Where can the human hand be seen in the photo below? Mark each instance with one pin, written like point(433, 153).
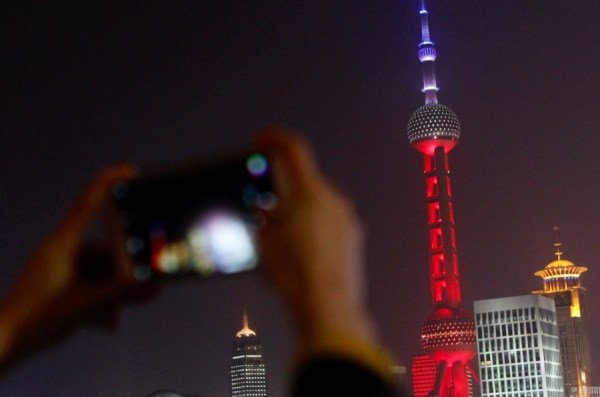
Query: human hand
point(312, 244)
point(68, 279)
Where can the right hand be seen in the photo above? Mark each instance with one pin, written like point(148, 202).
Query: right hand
point(312, 243)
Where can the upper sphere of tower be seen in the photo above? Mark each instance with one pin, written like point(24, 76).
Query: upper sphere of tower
point(433, 125)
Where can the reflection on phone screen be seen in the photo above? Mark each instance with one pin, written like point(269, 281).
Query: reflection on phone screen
point(197, 221)
point(218, 241)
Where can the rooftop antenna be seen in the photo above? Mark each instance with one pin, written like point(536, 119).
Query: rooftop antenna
point(427, 56)
point(557, 243)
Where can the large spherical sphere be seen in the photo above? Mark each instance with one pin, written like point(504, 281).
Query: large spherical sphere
point(433, 125)
point(449, 335)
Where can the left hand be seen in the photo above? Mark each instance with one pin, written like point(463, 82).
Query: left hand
point(68, 278)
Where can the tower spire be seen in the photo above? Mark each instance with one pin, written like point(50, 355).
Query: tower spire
point(245, 331)
point(427, 57)
point(557, 243)
point(424, 24)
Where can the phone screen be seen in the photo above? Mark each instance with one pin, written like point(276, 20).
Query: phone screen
point(197, 220)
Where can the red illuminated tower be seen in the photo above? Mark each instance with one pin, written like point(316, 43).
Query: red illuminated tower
point(448, 335)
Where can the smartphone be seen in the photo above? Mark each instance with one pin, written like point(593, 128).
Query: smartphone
point(197, 219)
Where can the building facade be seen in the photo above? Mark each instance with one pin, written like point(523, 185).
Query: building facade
point(562, 283)
point(518, 347)
point(247, 371)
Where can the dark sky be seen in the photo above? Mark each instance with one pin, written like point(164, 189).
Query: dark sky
point(85, 85)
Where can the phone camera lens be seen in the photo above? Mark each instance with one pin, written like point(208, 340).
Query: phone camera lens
point(134, 244)
point(142, 273)
point(266, 201)
point(257, 164)
point(127, 218)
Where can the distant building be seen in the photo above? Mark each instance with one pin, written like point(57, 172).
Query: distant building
point(247, 371)
point(518, 347)
point(562, 283)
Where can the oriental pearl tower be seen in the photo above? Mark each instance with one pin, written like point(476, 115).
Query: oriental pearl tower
point(448, 335)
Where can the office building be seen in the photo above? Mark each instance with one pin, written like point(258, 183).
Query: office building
point(518, 347)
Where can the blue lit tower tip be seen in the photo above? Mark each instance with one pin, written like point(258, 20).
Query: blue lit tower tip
point(432, 125)
point(427, 57)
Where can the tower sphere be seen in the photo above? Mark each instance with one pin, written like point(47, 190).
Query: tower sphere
point(433, 125)
point(449, 330)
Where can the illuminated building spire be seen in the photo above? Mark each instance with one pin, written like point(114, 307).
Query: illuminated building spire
point(245, 331)
point(434, 130)
point(557, 243)
point(427, 57)
point(561, 275)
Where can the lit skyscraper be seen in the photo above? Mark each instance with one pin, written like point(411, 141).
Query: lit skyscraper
point(247, 371)
point(562, 283)
point(518, 347)
point(448, 335)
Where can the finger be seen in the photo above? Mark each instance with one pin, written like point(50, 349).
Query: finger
point(95, 263)
point(294, 155)
point(116, 238)
point(74, 224)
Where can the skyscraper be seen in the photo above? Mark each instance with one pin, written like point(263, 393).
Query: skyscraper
point(448, 335)
point(562, 283)
point(247, 372)
point(518, 347)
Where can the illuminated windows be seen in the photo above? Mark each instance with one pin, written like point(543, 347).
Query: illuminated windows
point(431, 186)
point(517, 341)
point(435, 215)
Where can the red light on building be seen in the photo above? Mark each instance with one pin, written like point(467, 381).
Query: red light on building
point(423, 375)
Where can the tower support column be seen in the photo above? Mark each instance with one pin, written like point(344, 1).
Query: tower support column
point(459, 376)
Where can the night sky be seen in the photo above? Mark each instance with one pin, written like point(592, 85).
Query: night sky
point(92, 83)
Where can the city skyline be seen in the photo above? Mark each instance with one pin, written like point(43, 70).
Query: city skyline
point(91, 84)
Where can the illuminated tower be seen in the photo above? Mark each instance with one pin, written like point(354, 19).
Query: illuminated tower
point(247, 371)
point(448, 335)
point(562, 283)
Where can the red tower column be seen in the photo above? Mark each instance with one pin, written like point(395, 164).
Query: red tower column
point(443, 263)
